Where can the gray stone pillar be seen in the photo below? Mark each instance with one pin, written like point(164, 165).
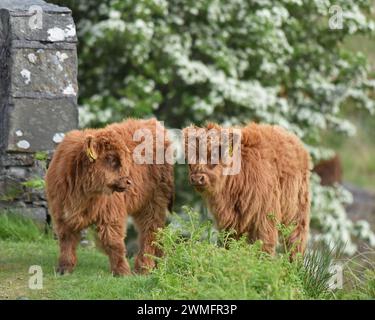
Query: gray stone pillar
point(38, 96)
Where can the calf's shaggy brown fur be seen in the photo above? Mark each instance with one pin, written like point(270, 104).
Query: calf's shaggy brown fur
point(329, 171)
point(93, 179)
point(272, 187)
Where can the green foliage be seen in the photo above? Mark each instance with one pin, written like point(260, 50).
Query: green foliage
point(199, 263)
point(363, 289)
point(317, 269)
point(18, 228)
point(41, 156)
point(369, 284)
point(11, 193)
point(359, 275)
point(16, 189)
point(35, 183)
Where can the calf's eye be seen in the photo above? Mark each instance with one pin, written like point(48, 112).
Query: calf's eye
point(113, 162)
point(211, 165)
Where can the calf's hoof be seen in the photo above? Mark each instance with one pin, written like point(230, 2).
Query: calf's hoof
point(121, 271)
point(145, 266)
point(64, 269)
point(142, 270)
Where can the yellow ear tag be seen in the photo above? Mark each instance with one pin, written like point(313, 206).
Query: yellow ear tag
point(92, 156)
point(231, 150)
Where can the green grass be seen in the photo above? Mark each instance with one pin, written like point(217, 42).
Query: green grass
point(199, 263)
point(14, 227)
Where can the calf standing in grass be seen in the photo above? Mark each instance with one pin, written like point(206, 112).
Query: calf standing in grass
point(271, 187)
point(93, 179)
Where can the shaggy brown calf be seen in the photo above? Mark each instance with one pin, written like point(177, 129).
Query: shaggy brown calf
point(272, 186)
point(93, 179)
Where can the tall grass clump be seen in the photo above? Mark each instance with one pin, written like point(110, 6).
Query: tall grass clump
point(318, 269)
point(15, 227)
point(363, 288)
point(359, 275)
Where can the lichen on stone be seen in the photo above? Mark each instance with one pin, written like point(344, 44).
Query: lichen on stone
point(23, 144)
point(58, 34)
point(58, 137)
point(61, 56)
point(69, 90)
point(32, 57)
point(26, 75)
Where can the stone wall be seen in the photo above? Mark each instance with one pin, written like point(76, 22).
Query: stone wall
point(38, 97)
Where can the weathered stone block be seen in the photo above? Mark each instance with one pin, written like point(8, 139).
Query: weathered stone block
point(34, 20)
point(18, 172)
point(24, 5)
point(37, 213)
point(36, 125)
point(16, 159)
point(38, 97)
point(54, 28)
point(38, 65)
point(46, 72)
point(10, 190)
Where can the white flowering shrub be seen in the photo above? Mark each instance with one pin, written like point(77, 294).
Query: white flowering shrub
point(230, 61)
point(329, 216)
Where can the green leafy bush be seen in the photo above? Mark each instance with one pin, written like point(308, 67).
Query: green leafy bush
point(201, 263)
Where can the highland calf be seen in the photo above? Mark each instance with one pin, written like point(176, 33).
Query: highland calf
point(271, 188)
point(93, 180)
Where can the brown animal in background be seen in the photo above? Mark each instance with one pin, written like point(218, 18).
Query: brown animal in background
point(93, 179)
point(329, 171)
point(272, 187)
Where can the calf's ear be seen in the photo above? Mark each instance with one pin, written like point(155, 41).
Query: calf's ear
point(212, 125)
point(90, 148)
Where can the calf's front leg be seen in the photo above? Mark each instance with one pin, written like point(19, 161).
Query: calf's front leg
point(112, 238)
point(68, 241)
point(147, 225)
